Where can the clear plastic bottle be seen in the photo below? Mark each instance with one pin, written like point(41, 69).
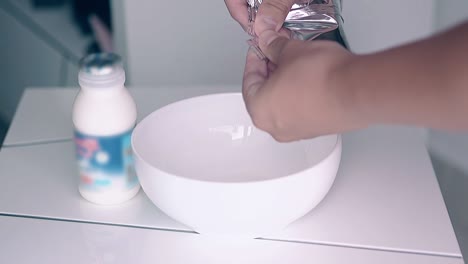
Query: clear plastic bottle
point(104, 115)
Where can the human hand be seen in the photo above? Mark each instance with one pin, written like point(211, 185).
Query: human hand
point(270, 12)
point(297, 93)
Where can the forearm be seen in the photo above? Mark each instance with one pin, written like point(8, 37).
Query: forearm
point(423, 83)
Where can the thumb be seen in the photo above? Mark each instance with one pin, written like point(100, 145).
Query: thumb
point(272, 44)
point(271, 14)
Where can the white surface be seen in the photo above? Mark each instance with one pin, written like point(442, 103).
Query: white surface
point(203, 163)
point(26, 60)
point(32, 241)
point(376, 25)
point(385, 192)
point(42, 115)
point(180, 42)
point(50, 189)
point(385, 195)
point(46, 114)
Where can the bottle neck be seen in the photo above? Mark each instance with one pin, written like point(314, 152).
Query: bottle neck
point(103, 91)
point(111, 81)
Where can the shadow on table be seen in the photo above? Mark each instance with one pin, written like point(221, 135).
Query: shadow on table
point(454, 186)
point(3, 131)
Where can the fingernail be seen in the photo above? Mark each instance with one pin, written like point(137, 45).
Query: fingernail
point(268, 36)
point(270, 23)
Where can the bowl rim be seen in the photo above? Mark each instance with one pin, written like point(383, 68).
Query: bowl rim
point(337, 144)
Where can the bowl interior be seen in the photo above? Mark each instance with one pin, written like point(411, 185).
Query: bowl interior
point(212, 138)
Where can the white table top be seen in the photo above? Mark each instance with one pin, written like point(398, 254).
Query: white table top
point(46, 241)
point(385, 196)
point(44, 114)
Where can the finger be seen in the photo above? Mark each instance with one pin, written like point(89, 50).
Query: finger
point(238, 11)
point(272, 44)
point(285, 33)
point(271, 67)
point(255, 75)
point(271, 14)
point(254, 92)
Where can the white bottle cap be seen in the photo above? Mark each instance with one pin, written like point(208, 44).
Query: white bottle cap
point(101, 70)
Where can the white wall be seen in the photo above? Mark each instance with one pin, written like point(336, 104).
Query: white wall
point(373, 25)
point(180, 42)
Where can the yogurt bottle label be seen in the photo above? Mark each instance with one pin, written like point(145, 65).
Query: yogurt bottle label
point(105, 162)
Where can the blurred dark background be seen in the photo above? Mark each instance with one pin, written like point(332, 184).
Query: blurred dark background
point(42, 43)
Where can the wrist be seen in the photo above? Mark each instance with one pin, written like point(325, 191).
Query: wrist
point(350, 91)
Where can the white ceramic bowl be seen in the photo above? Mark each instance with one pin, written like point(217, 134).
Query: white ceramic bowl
point(203, 163)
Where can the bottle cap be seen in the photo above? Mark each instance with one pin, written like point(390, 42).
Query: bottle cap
point(101, 70)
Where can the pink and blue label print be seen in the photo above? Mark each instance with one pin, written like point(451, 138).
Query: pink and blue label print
point(105, 162)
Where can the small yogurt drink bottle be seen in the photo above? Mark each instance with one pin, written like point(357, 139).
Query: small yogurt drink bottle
point(104, 115)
